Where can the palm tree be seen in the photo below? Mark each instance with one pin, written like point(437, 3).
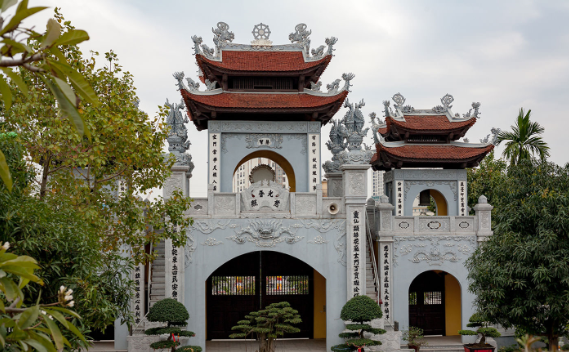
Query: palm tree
point(524, 140)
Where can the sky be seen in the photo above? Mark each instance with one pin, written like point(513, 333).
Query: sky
point(504, 54)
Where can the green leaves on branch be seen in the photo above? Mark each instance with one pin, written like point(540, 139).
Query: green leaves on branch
point(5, 172)
point(35, 326)
point(31, 48)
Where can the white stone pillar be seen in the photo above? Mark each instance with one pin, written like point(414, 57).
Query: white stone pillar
point(176, 181)
point(355, 194)
point(214, 161)
point(335, 185)
point(483, 219)
point(385, 257)
point(174, 266)
point(138, 301)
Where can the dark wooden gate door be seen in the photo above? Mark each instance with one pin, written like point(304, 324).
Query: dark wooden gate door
point(427, 303)
point(255, 280)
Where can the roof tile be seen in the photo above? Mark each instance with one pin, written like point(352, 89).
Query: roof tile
point(264, 61)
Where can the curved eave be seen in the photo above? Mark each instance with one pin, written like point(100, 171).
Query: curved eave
point(257, 67)
point(421, 155)
point(395, 130)
point(222, 105)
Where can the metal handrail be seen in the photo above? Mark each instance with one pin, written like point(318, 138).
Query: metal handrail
point(371, 253)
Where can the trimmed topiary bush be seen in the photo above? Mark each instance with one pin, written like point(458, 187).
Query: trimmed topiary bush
point(174, 314)
point(359, 310)
point(268, 324)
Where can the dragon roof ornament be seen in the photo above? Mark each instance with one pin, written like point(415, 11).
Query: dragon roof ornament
point(334, 87)
point(495, 132)
point(193, 86)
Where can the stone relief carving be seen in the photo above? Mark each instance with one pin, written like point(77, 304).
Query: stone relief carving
point(430, 224)
point(452, 184)
point(224, 204)
point(262, 126)
point(340, 246)
point(422, 175)
point(272, 140)
point(225, 137)
point(305, 205)
point(205, 227)
point(211, 242)
point(432, 255)
point(266, 233)
point(356, 184)
point(173, 183)
point(318, 240)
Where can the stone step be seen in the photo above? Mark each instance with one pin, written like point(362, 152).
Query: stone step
point(159, 262)
point(158, 279)
point(158, 268)
point(158, 286)
point(156, 292)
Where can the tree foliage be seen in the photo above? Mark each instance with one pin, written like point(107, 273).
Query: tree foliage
point(75, 204)
point(40, 54)
point(521, 275)
point(484, 179)
point(35, 326)
point(359, 310)
point(268, 324)
point(524, 140)
point(175, 314)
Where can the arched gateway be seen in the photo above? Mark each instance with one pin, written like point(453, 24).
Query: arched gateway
point(266, 243)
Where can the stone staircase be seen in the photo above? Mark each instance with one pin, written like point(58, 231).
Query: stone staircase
point(158, 279)
point(370, 286)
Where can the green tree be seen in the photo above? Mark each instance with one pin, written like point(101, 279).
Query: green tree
point(524, 140)
point(268, 324)
point(520, 276)
point(75, 204)
point(359, 310)
point(39, 55)
point(484, 179)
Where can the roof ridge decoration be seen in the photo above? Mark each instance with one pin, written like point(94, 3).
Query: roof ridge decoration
point(193, 86)
point(494, 140)
point(333, 88)
point(178, 142)
point(400, 110)
point(300, 41)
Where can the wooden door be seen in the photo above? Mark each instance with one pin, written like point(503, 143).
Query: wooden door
point(427, 303)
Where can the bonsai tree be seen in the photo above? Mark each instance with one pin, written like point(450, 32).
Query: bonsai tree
point(358, 311)
point(269, 323)
point(478, 321)
point(413, 337)
point(175, 315)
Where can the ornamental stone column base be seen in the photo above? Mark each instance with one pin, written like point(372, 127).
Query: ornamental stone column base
point(483, 219)
point(178, 180)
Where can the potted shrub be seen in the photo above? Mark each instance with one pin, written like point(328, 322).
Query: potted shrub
point(268, 324)
point(359, 310)
point(477, 320)
point(414, 337)
point(468, 336)
point(175, 315)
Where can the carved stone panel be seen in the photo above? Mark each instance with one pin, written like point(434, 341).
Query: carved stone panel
point(434, 224)
point(305, 204)
point(175, 181)
point(224, 204)
point(356, 184)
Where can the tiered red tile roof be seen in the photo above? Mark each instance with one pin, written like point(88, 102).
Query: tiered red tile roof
point(420, 123)
point(422, 152)
point(264, 100)
point(262, 61)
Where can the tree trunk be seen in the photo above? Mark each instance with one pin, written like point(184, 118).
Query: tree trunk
point(45, 174)
point(553, 342)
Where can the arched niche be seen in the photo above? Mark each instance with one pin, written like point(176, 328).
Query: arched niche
point(277, 158)
point(443, 195)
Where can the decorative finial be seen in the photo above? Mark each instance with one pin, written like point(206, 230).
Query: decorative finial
point(447, 100)
point(261, 31)
point(222, 36)
point(399, 100)
point(301, 36)
point(475, 106)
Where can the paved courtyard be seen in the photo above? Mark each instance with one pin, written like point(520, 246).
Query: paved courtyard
point(289, 345)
